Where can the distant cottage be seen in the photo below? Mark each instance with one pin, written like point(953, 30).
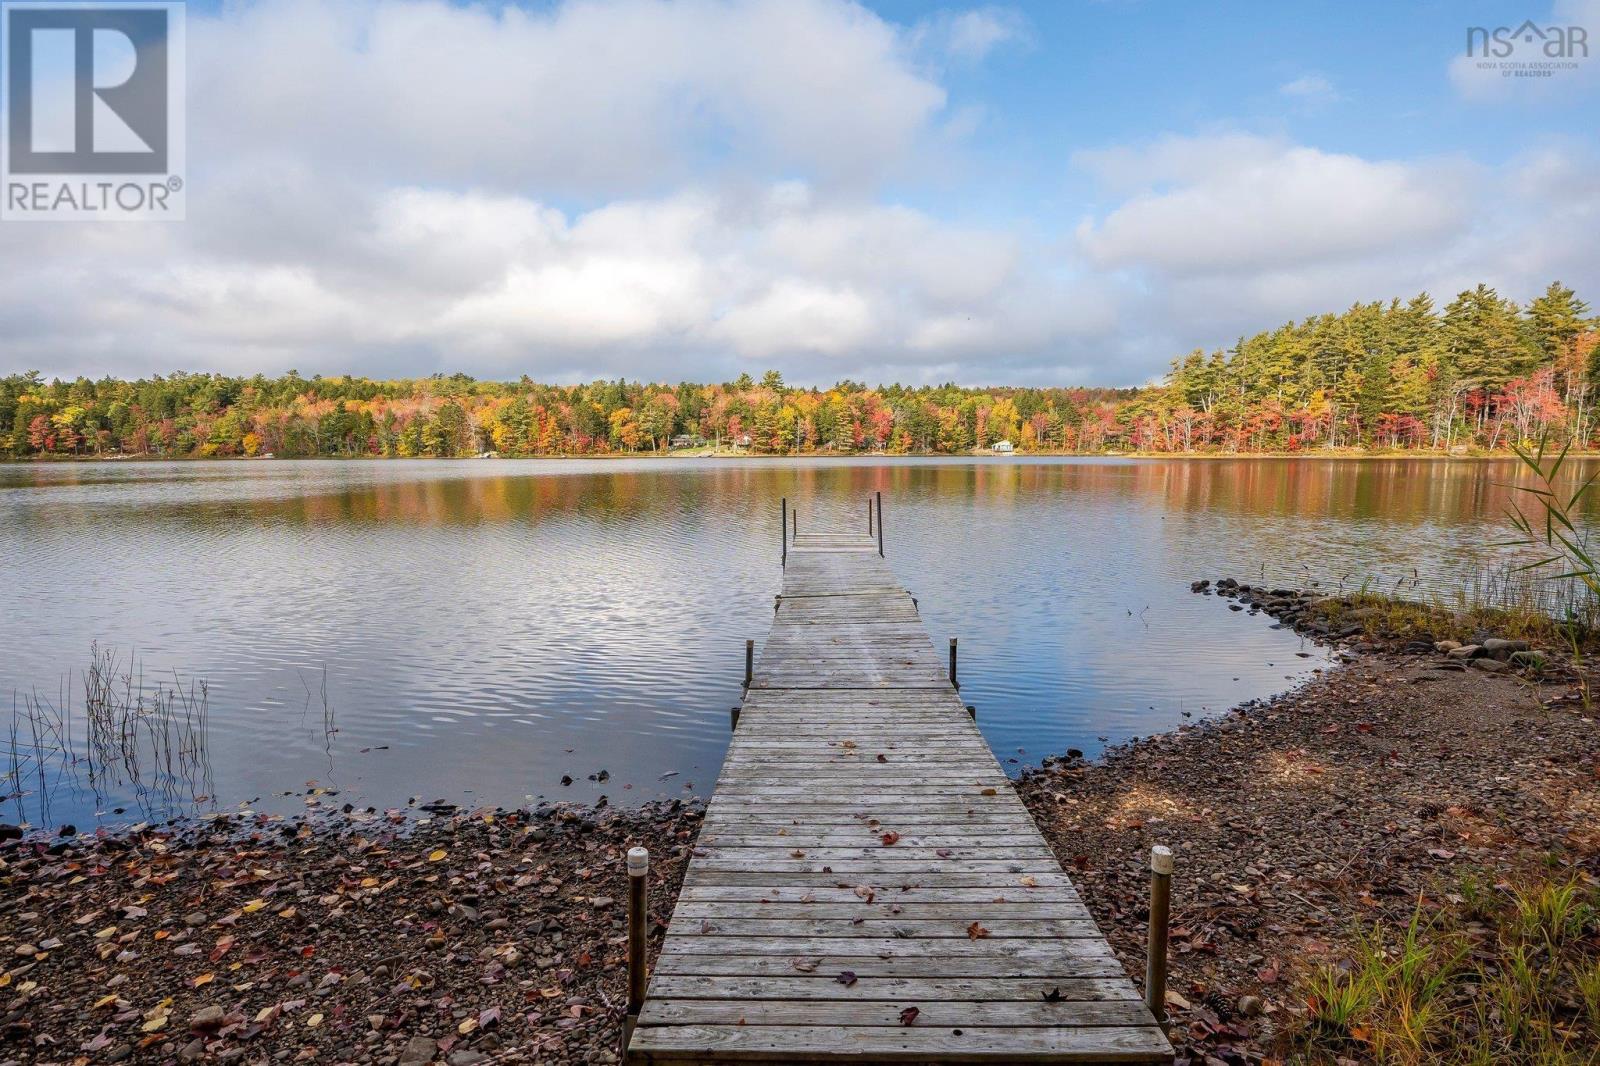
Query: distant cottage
point(1003, 447)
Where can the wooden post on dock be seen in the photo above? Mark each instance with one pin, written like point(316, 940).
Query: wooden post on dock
point(733, 719)
point(749, 662)
point(869, 516)
point(783, 531)
point(953, 682)
point(1155, 971)
point(638, 905)
point(880, 525)
point(795, 517)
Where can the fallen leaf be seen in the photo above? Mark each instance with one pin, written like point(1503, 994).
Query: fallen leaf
point(846, 978)
point(909, 1015)
point(976, 931)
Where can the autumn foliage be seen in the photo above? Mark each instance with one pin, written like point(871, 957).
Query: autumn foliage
point(1484, 374)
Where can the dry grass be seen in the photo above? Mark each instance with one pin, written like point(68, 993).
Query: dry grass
point(1503, 973)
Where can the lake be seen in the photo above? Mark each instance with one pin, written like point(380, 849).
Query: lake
point(476, 631)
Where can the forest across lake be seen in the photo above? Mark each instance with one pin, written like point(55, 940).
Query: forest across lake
point(1485, 374)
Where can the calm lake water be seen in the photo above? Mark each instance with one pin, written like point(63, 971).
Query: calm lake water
point(473, 631)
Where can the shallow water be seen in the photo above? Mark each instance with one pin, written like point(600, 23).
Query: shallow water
point(476, 630)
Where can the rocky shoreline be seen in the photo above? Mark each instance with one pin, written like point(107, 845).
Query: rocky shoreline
point(1334, 619)
point(1370, 795)
point(461, 937)
point(470, 936)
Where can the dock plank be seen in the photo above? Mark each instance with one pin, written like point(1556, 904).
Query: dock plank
point(861, 825)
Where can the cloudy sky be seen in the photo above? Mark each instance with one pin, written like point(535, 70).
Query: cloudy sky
point(1058, 193)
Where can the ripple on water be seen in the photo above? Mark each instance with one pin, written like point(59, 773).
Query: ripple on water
point(492, 626)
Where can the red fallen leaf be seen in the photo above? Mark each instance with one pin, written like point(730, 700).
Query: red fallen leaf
point(1363, 727)
point(488, 1017)
point(889, 838)
point(909, 1015)
point(865, 893)
point(846, 978)
point(882, 757)
point(944, 853)
point(223, 944)
point(976, 931)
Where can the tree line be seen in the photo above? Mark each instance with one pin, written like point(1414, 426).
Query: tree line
point(1481, 375)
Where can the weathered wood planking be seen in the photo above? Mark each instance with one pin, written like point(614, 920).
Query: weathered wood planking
point(864, 854)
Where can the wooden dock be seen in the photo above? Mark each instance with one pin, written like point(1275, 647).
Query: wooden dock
point(867, 886)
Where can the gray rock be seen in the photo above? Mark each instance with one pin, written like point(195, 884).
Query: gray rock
point(467, 1057)
point(1490, 666)
point(1503, 649)
point(1465, 651)
point(207, 1018)
point(1444, 647)
point(419, 1050)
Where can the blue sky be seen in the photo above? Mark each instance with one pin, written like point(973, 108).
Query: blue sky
point(1038, 193)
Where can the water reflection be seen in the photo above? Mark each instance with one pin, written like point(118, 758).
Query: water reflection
point(493, 626)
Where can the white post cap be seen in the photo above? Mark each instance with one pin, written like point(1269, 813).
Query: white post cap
point(1161, 859)
point(639, 862)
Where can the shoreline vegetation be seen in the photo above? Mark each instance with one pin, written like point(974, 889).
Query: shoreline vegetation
point(1397, 862)
point(1483, 376)
point(1325, 455)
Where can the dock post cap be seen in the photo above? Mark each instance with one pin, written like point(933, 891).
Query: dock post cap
point(1161, 860)
point(638, 862)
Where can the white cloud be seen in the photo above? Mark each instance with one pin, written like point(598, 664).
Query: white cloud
point(1310, 89)
point(588, 98)
point(970, 36)
point(690, 188)
point(1209, 204)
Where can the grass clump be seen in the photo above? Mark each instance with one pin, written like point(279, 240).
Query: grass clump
point(1388, 617)
point(1509, 973)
